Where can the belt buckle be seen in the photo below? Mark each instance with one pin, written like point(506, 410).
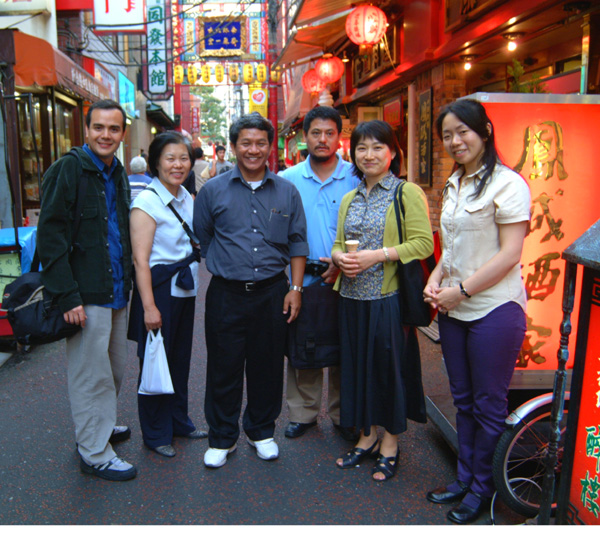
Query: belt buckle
point(249, 286)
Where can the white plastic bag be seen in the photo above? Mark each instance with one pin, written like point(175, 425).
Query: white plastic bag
point(156, 379)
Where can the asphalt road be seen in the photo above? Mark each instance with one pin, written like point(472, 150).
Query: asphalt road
point(40, 481)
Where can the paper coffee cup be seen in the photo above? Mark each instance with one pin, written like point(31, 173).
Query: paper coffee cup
point(351, 245)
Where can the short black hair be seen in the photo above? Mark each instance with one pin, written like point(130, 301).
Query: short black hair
point(220, 148)
point(253, 120)
point(198, 153)
point(160, 142)
point(105, 104)
point(383, 133)
point(322, 112)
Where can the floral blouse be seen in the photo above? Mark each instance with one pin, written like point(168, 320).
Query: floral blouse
point(365, 222)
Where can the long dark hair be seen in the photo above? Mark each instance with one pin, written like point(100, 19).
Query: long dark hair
point(383, 133)
point(473, 114)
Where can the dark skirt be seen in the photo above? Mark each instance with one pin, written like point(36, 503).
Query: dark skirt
point(380, 366)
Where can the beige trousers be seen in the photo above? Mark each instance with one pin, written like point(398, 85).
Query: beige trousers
point(304, 392)
point(97, 358)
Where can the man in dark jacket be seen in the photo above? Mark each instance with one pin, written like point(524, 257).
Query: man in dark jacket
point(90, 275)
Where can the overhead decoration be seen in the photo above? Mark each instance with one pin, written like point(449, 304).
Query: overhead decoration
point(248, 73)
point(312, 83)
point(219, 36)
point(276, 75)
point(261, 73)
point(205, 73)
point(178, 74)
point(192, 74)
point(330, 68)
point(366, 25)
point(219, 72)
point(234, 73)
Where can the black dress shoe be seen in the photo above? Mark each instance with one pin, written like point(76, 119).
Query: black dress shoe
point(348, 433)
point(467, 513)
point(297, 429)
point(444, 496)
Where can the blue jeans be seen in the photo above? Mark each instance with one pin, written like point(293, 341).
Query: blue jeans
point(480, 357)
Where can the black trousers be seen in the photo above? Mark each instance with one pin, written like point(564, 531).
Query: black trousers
point(165, 416)
point(245, 332)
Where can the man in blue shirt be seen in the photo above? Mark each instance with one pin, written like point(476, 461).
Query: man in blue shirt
point(251, 226)
point(91, 282)
point(322, 180)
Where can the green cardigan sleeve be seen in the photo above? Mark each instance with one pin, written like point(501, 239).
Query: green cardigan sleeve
point(417, 240)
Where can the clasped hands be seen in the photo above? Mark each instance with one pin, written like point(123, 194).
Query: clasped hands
point(355, 262)
point(443, 299)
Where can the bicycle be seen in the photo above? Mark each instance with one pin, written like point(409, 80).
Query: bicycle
point(518, 464)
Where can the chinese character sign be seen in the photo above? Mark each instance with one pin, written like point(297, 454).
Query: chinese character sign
point(119, 15)
point(157, 84)
point(553, 146)
point(425, 138)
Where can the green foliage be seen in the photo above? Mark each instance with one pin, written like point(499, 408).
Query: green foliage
point(213, 122)
point(533, 85)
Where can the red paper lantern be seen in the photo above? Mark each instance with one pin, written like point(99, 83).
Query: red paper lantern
point(312, 83)
point(329, 68)
point(366, 25)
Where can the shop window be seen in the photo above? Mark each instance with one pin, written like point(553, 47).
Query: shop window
point(30, 136)
point(65, 128)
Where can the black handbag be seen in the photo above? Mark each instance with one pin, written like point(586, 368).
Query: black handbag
point(313, 338)
point(413, 277)
point(32, 312)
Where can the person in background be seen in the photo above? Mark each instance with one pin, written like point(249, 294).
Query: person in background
point(251, 226)
point(166, 283)
point(322, 180)
point(303, 155)
point(91, 282)
point(381, 363)
point(200, 165)
point(220, 165)
point(478, 290)
point(138, 179)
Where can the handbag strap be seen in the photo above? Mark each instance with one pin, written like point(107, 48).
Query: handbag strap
point(78, 212)
point(399, 206)
point(193, 238)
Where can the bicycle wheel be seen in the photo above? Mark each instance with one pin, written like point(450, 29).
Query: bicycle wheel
point(518, 464)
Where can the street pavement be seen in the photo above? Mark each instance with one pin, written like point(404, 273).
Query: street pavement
point(40, 481)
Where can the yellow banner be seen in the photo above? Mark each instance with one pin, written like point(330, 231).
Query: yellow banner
point(259, 100)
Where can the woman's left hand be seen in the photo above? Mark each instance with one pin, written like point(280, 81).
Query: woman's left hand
point(356, 262)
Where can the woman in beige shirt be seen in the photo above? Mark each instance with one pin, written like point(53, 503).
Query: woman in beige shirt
point(478, 290)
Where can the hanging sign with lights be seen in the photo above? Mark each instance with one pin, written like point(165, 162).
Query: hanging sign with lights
point(192, 74)
point(219, 72)
point(234, 73)
point(205, 72)
point(248, 73)
point(261, 72)
point(178, 74)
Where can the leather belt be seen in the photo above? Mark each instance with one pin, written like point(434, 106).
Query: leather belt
point(250, 286)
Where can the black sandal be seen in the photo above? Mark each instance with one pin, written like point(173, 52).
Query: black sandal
point(353, 457)
point(386, 466)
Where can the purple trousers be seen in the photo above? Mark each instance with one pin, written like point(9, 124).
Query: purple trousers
point(480, 357)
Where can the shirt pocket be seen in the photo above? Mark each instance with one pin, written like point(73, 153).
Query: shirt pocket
point(89, 227)
point(277, 228)
point(477, 215)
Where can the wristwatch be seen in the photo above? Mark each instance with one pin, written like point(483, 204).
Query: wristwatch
point(296, 287)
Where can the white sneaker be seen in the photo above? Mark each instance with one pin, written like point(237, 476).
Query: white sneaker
point(217, 457)
point(266, 449)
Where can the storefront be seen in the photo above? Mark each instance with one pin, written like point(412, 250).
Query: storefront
point(45, 96)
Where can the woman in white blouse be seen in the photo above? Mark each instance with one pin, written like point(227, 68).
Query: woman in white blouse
point(166, 283)
point(479, 293)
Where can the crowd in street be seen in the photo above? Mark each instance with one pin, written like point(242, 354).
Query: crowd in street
point(305, 264)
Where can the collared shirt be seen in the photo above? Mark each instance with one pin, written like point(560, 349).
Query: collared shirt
point(321, 201)
point(171, 243)
point(115, 249)
point(249, 234)
point(365, 222)
point(470, 235)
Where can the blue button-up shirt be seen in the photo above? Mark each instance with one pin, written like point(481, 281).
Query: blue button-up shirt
point(249, 234)
point(115, 249)
point(321, 202)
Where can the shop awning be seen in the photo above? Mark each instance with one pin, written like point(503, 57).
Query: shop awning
point(37, 62)
point(316, 26)
point(157, 115)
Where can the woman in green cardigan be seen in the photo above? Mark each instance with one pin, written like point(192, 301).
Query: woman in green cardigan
point(380, 360)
